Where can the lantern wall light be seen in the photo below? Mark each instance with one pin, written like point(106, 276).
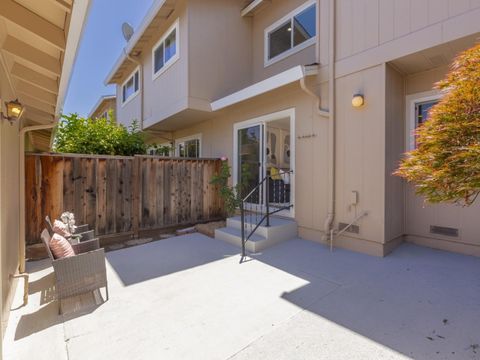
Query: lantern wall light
point(14, 110)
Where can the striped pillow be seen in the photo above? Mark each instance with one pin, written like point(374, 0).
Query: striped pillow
point(60, 247)
point(61, 228)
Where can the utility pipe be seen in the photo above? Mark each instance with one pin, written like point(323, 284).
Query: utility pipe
point(21, 151)
point(329, 221)
point(330, 114)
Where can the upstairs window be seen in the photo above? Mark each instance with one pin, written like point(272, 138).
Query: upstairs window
point(130, 87)
point(165, 52)
point(291, 34)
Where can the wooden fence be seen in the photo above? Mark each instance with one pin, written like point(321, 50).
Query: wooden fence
point(120, 195)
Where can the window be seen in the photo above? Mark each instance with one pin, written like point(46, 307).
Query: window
point(105, 115)
point(418, 108)
point(291, 34)
point(130, 87)
point(165, 52)
point(189, 147)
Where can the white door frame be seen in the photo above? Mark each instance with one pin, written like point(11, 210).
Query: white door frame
point(263, 120)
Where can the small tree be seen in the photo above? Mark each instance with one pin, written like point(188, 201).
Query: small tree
point(445, 166)
point(101, 136)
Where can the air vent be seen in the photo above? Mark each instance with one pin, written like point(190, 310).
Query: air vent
point(354, 229)
point(445, 231)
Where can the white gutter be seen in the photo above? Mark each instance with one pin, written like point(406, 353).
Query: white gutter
point(152, 12)
point(284, 78)
point(75, 32)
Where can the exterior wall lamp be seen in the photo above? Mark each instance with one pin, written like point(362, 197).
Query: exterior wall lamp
point(358, 100)
point(14, 111)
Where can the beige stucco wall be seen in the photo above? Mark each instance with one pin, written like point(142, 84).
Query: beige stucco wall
point(371, 32)
point(220, 49)
point(394, 149)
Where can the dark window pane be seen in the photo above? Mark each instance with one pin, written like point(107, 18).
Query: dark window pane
point(304, 25)
point(128, 88)
point(158, 58)
point(423, 111)
point(170, 45)
point(136, 82)
point(280, 40)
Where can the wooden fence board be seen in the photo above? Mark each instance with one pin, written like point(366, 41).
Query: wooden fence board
point(119, 195)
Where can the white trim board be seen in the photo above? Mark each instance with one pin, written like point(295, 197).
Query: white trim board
point(284, 78)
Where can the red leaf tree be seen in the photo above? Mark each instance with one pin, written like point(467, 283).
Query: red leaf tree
point(445, 166)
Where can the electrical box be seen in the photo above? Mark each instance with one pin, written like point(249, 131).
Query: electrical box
point(354, 198)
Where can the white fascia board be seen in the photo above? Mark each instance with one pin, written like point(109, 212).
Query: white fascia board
point(152, 12)
point(78, 18)
point(287, 77)
point(99, 102)
point(251, 7)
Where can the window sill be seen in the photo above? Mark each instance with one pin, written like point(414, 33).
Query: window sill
point(165, 67)
point(290, 52)
point(130, 98)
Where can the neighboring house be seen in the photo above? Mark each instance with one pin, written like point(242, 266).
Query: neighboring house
point(103, 107)
point(38, 44)
point(272, 85)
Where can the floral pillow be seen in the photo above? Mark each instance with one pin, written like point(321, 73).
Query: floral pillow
point(60, 247)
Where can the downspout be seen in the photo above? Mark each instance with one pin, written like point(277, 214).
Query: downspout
point(329, 221)
point(21, 150)
point(330, 114)
point(135, 61)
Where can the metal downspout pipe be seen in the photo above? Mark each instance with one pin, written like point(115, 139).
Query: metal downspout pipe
point(330, 114)
point(329, 221)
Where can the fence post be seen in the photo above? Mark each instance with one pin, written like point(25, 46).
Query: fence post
point(136, 178)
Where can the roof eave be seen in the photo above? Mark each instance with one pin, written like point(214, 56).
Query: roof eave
point(152, 12)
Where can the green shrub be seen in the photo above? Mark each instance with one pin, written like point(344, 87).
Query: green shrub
point(101, 136)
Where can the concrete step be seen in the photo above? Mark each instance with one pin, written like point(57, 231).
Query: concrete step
point(279, 230)
point(234, 236)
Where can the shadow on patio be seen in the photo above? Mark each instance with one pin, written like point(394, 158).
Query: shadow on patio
point(420, 302)
point(153, 260)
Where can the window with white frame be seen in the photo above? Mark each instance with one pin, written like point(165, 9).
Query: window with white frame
point(293, 33)
point(189, 147)
point(131, 87)
point(166, 51)
point(418, 108)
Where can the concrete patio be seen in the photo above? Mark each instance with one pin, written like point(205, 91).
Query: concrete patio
point(189, 298)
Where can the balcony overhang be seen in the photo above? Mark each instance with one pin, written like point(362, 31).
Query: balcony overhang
point(287, 77)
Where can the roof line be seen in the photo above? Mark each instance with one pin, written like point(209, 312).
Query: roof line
point(151, 13)
point(75, 33)
point(99, 102)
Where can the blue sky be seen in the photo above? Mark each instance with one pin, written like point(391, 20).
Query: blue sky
point(101, 45)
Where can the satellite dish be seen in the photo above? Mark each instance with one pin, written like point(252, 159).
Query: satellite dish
point(127, 31)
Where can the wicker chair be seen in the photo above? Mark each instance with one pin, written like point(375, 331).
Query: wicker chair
point(83, 273)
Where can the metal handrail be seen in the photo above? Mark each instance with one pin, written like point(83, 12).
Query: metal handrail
point(264, 216)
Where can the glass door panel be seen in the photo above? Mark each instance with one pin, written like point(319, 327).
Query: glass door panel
point(250, 156)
